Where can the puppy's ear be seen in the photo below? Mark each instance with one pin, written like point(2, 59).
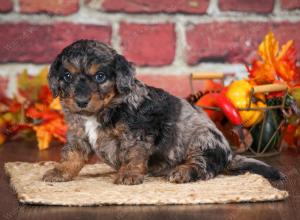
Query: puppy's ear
point(53, 77)
point(124, 74)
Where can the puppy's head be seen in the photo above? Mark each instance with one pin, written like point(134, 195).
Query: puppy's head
point(87, 75)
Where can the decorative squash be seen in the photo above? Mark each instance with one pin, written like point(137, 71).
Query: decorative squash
point(265, 131)
point(239, 94)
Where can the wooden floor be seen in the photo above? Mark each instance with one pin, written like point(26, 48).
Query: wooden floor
point(288, 162)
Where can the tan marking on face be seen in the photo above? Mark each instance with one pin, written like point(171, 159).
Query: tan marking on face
point(93, 69)
point(109, 97)
point(71, 67)
point(69, 104)
point(96, 102)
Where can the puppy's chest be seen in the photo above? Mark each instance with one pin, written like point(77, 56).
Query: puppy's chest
point(97, 135)
point(91, 127)
point(104, 142)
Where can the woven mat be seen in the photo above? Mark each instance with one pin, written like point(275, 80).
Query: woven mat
point(94, 187)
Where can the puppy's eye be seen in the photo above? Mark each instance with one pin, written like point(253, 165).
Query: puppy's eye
point(67, 77)
point(100, 77)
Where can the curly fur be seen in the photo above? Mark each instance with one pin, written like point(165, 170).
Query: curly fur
point(135, 128)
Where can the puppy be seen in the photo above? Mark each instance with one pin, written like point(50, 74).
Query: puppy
point(134, 128)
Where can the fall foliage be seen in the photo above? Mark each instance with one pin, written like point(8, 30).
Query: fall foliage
point(274, 63)
point(32, 109)
point(279, 65)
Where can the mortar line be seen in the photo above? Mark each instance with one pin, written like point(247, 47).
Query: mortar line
point(89, 16)
point(115, 37)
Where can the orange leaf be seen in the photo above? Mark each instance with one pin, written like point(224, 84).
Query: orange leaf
point(46, 131)
point(261, 73)
point(55, 104)
point(45, 95)
point(43, 136)
point(268, 49)
point(40, 111)
point(274, 63)
point(286, 61)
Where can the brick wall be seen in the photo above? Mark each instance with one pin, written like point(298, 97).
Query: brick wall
point(166, 39)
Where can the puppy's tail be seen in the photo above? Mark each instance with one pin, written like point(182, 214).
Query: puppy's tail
point(241, 164)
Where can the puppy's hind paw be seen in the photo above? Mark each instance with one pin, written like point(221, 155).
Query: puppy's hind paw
point(55, 175)
point(129, 179)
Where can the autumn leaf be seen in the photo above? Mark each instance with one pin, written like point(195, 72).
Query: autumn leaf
point(43, 136)
point(55, 104)
point(32, 108)
point(30, 86)
point(261, 73)
point(47, 123)
point(46, 131)
point(45, 95)
point(286, 61)
point(274, 63)
point(291, 135)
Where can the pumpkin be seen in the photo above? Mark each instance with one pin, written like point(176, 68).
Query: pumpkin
point(239, 94)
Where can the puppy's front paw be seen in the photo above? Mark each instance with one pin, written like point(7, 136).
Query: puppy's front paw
point(180, 175)
point(55, 175)
point(128, 178)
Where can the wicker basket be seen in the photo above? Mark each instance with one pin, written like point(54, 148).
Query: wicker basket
point(262, 147)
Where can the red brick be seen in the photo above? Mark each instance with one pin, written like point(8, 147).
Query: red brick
point(6, 5)
point(177, 85)
point(290, 4)
point(152, 45)
point(265, 6)
point(63, 7)
point(154, 6)
point(234, 41)
point(24, 42)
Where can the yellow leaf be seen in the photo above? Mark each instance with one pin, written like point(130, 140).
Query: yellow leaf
point(268, 49)
point(55, 104)
point(44, 137)
point(29, 86)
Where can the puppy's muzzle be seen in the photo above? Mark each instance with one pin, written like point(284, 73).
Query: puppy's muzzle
point(82, 102)
point(82, 94)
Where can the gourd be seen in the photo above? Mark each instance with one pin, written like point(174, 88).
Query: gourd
point(265, 131)
point(239, 94)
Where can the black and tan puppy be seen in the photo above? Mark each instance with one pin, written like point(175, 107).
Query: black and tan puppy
point(135, 128)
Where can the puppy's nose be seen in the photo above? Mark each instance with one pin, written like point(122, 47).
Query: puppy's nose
point(82, 103)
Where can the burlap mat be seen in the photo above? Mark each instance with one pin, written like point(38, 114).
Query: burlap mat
point(94, 187)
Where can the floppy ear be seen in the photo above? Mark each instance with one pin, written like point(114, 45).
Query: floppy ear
point(124, 74)
point(53, 77)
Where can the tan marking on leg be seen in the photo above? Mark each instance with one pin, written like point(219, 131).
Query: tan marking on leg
point(67, 169)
